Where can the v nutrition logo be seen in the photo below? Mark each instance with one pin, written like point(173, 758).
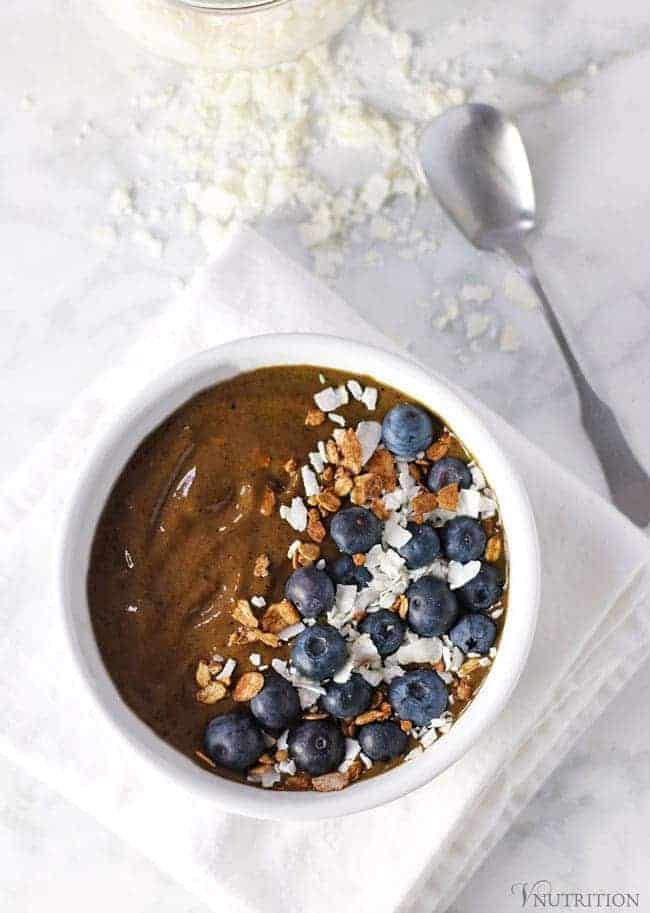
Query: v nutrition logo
point(536, 895)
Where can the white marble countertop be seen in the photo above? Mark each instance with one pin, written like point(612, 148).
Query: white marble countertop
point(576, 74)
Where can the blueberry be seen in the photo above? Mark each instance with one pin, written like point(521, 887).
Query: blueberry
point(419, 696)
point(345, 571)
point(382, 741)
point(233, 740)
point(482, 591)
point(422, 547)
point(463, 539)
point(277, 705)
point(407, 430)
point(311, 591)
point(386, 630)
point(317, 746)
point(432, 607)
point(475, 633)
point(355, 529)
point(348, 699)
point(449, 471)
point(319, 652)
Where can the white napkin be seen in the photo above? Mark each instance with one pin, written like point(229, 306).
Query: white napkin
point(412, 855)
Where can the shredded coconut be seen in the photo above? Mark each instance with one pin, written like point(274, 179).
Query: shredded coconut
point(369, 435)
point(459, 574)
point(296, 515)
point(355, 389)
point(270, 124)
point(309, 481)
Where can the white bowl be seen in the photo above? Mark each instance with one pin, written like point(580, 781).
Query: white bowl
point(145, 412)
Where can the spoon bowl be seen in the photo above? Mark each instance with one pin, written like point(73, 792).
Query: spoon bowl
point(476, 164)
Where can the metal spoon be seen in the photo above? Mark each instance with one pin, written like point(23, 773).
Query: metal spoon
point(475, 161)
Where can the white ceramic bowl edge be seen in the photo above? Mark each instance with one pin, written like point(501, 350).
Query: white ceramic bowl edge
point(145, 412)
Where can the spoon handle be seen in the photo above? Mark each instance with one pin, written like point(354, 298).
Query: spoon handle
point(628, 481)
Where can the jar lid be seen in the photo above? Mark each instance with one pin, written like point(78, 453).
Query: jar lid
point(230, 6)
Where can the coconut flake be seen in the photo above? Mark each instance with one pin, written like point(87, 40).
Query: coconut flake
point(460, 574)
point(417, 650)
point(344, 605)
point(317, 461)
point(393, 500)
point(369, 398)
point(344, 673)
point(369, 435)
point(293, 548)
point(258, 601)
point(438, 569)
point(364, 652)
point(352, 751)
point(280, 666)
point(291, 631)
point(342, 395)
point(287, 767)
point(355, 389)
point(469, 502)
point(391, 563)
point(407, 486)
point(374, 677)
point(488, 507)
point(337, 419)
point(478, 479)
point(452, 656)
point(296, 515)
point(327, 400)
point(395, 535)
point(227, 670)
point(309, 481)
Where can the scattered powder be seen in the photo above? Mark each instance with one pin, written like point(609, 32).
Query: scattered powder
point(241, 147)
point(509, 340)
point(518, 291)
point(478, 294)
point(449, 313)
point(476, 323)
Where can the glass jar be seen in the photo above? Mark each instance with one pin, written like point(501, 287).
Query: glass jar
point(231, 34)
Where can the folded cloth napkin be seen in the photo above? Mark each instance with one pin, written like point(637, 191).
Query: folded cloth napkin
point(591, 637)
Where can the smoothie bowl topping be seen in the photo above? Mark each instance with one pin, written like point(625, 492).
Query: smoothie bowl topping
point(316, 579)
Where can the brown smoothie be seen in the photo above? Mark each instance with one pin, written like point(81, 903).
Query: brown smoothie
point(181, 535)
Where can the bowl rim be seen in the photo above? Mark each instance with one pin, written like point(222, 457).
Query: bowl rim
point(143, 412)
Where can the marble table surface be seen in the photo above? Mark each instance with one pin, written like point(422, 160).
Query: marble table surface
point(575, 73)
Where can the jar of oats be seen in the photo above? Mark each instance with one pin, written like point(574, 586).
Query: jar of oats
point(231, 34)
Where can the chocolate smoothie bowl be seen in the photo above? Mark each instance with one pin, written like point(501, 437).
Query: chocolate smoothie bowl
point(301, 582)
